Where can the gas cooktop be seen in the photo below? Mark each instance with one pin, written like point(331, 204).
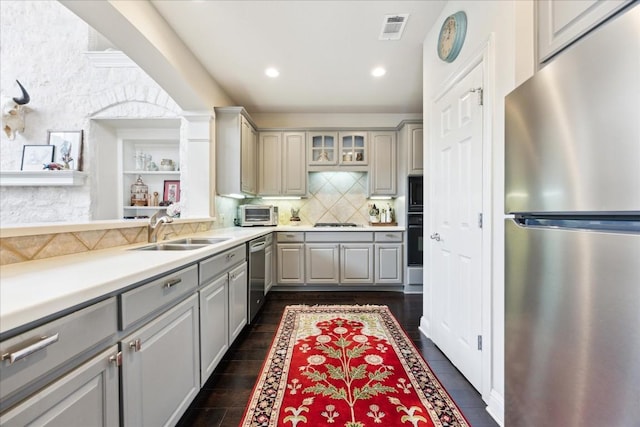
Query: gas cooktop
point(335, 224)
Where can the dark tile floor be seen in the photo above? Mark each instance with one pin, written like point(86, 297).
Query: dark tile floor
point(222, 400)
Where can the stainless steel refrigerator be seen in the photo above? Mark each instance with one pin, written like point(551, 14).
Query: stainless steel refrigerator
point(572, 264)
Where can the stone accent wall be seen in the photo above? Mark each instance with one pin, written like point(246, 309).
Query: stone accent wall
point(43, 45)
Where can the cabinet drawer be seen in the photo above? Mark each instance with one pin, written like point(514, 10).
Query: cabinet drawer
point(292, 237)
point(388, 236)
point(340, 236)
point(212, 267)
point(55, 344)
point(145, 299)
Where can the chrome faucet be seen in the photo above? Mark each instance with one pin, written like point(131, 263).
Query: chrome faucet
point(155, 224)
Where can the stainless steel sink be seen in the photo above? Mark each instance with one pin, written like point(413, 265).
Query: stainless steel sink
point(170, 247)
point(200, 240)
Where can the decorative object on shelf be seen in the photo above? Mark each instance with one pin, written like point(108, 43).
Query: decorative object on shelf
point(346, 157)
point(374, 213)
point(171, 191)
point(359, 157)
point(140, 160)
point(295, 218)
point(173, 210)
point(155, 199)
point(68, 147)
point(13, 112)
point(36, 157)
point(323, 157)
point(152, 167)
point(53, 166)
point(167, 165)
point(139, 193)
point(452, 35)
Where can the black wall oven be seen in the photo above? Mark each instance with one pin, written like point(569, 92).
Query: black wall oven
point(415, 194)
point(414, 239)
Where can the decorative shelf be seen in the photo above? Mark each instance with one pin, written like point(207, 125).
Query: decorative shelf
point(151, 172)
point(42, 178)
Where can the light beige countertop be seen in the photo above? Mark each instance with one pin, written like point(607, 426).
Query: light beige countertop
point(33, 290)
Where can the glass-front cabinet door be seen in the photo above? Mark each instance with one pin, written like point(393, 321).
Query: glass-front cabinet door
point(353, 148)
point(323, 147)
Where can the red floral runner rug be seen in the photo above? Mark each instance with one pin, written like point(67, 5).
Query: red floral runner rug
point(350, 366)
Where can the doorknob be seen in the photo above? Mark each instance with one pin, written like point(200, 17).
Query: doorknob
point(435, 236)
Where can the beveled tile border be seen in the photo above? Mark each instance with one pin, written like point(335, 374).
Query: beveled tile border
point(31, 246)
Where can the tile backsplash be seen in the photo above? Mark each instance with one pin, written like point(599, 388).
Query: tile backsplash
point(332, 197)
point(32, 247)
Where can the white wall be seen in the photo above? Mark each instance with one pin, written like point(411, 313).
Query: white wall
point(507, 26)
point(42, 44)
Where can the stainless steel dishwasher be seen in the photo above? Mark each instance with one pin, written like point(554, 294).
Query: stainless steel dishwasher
point(257, 268)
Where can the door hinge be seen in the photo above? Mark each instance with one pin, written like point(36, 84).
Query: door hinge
point(479, 342)
point(480, 220)
point(480, 93)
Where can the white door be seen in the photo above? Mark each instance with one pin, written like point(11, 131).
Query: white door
point(455, 255)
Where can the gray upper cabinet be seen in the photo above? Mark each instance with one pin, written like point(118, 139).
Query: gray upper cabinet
point(560, 22)
point(236, 152)
point(383, 167)
point(323, 148)
point(353, 149)
point(414, 143)
point(282, 164)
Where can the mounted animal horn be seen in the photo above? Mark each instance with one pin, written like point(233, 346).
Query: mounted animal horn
point(13, 112)
point(25, 96)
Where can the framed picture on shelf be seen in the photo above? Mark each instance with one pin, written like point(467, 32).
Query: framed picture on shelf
point(171, 191)
point(36, 157)
point(68, 147)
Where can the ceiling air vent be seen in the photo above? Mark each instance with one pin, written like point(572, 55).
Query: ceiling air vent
point(393, 26)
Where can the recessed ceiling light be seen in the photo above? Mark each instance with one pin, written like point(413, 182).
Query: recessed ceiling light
point(378, 72)
point(272, 72)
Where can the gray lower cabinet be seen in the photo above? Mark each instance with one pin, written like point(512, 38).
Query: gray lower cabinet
point(223, 305)
point(269, 264)
point(86, 396)
point(214, 325)
point(35, 358)
point(290, 263)
point(356, 266)
point(238, 301)
point(388, 262)
point(322, 263)
point(161, 367)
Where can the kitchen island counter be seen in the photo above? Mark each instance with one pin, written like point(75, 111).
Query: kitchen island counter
point(33, 291)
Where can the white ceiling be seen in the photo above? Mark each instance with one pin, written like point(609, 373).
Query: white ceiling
point(325, 51)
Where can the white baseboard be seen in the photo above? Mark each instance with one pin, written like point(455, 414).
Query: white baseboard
point(424, 327)
point(495, 407)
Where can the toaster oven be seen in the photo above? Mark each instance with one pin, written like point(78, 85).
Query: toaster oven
point(252, 215)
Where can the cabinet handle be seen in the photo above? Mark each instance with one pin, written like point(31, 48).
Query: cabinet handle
point(136, 345)
point(435, 236)
point(229, 256)
point(30, 349)
point(116, 359)
point(172, 283)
